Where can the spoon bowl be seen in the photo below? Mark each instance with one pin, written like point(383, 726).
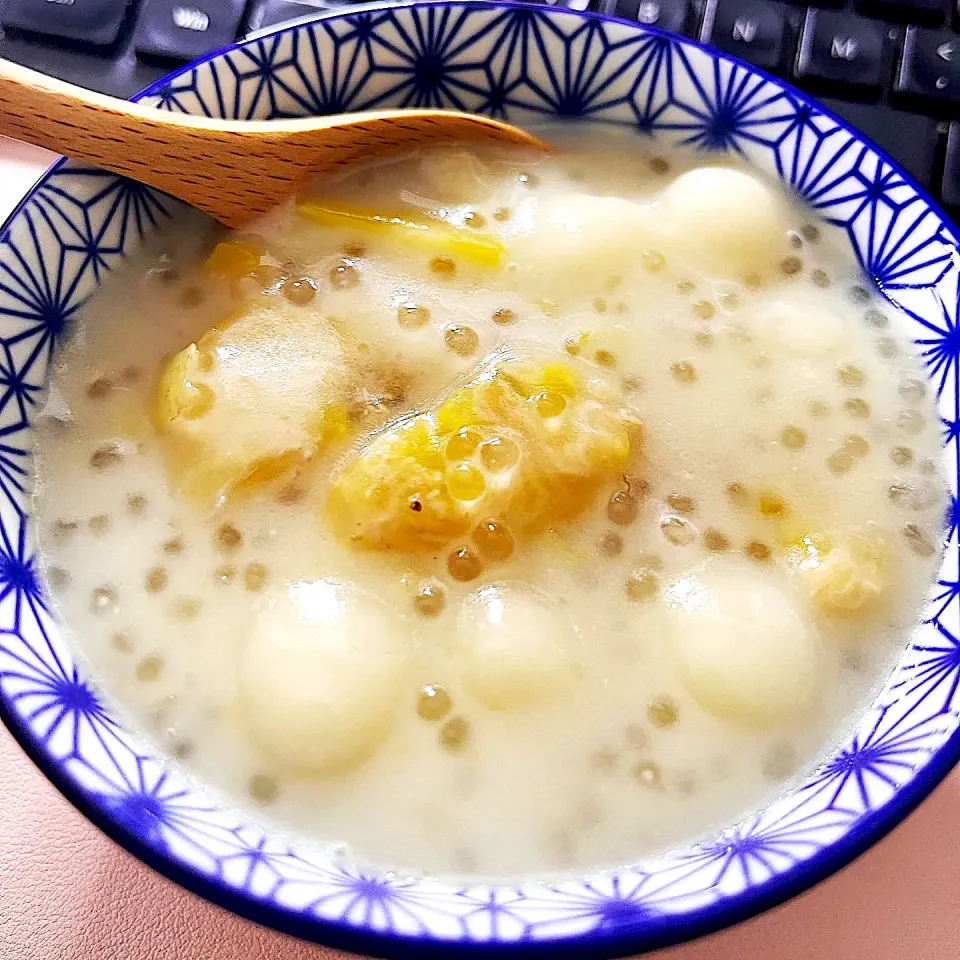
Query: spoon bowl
point(232, 170)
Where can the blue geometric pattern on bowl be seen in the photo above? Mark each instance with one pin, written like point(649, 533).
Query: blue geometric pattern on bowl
point(524, 64)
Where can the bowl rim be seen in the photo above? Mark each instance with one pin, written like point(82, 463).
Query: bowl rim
point(665, 931)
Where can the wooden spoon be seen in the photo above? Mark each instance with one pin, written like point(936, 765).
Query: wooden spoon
point(230, 169)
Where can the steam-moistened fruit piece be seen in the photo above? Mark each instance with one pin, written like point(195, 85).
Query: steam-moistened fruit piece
point(527, 443)
point(256, 395)
point(518, 648)
point(321, 676)
point(432, 238)
point(845, 579)
point(743, 650)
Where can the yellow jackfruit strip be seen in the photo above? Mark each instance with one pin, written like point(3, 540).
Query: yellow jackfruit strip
point(232, 259)
point(433, 238)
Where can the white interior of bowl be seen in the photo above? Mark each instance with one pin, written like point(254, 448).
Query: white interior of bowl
point(527, 65)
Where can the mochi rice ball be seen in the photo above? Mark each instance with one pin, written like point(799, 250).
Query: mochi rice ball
point(322, 675)
point(743, 649)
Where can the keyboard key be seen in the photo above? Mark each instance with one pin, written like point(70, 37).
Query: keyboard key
point(928, 12)
point(272, 13)
point(950, 188)
point(911, 139)
point(86, 21)
point(184, 29)
point(751, 29)
point(666, 14)
point(840, 48)
point(930, 65)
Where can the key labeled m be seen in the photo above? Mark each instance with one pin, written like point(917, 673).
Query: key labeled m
point(844, 48)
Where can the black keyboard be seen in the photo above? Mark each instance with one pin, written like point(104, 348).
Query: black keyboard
point(891, 68)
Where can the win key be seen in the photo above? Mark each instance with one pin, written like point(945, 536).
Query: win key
point(930, 66)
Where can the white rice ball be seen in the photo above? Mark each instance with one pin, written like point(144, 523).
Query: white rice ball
point(321, 676)
point(743, 650)
point(723, 219)
point(577, 235)
point(808, 328)
point(518, 648)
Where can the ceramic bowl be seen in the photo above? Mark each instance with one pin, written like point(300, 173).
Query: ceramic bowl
point(526, 64)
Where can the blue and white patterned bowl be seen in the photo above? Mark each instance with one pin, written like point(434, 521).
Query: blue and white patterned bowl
point(525, 64)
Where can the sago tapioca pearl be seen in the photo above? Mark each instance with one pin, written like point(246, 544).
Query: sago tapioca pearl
point(723, 219)
point(173, 546)
point(516, 647)
point(454, 735)
point(301, 291)
point(857, 407)
point(779, 762)
point(444, 268)
point(901, 456)
point(610, 545)
point(678, 531)
point(263, 788)
point(463, 341)
point(911, 422)
point(850, 375)
point(716, 541)
point(743, 650)
point(793, 437)
point(99, 524)
point(648, 774)
point(642, 585)
point(494, 540)
point(623, 506)
point(663, 712)
point(155, 580)
point(149, 668)
point(107, 456)
point(344, 275)
point(918, 541)
point(434, 702)
point(104, 600)
point(681, 503)
point(820, 278)
point(412, 316)
point(430, 599)
point(100, 388)
point(321, 676)
point(605, 761)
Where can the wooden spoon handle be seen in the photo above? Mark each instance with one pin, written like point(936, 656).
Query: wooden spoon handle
point(231, 169)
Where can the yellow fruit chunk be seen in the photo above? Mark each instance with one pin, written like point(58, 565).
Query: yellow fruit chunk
point(486, 450)
point(232, 259)
point(844, 579)
point(254, 396)
point(432, 238)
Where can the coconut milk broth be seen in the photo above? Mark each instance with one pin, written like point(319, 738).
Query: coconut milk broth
point(159, 603)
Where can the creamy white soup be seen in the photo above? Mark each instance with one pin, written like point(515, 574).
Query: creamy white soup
point(494, 514)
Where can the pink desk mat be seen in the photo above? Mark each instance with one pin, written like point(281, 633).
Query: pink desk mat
point(69, 893)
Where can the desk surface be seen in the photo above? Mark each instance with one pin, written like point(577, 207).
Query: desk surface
point(69, 893)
